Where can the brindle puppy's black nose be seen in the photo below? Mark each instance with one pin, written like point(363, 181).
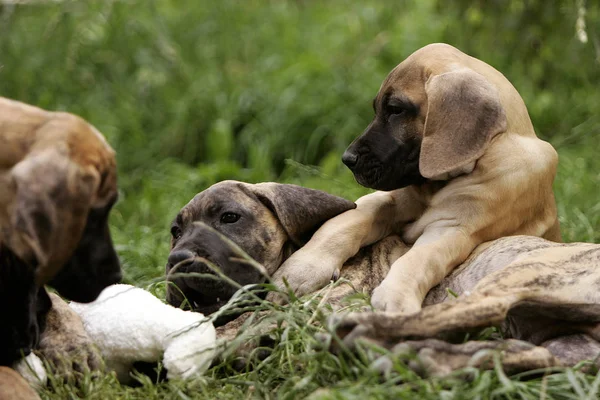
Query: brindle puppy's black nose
point(349, 159)
point(180, 255)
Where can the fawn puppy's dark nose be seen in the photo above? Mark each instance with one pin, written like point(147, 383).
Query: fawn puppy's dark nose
point(349, 159)
point(180, 255)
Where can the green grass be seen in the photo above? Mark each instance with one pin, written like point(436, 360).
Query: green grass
point(192, 92)
point(298, 367)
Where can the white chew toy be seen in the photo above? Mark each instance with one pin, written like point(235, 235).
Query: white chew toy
point(129, 324)
point(32, 370)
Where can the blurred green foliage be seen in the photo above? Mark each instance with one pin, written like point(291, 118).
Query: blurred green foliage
point(191, 92)
point(281, 79)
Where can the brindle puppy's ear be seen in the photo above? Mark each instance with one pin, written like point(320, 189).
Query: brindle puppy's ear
point(52, 196)
point(464, 114)
point(300, 210)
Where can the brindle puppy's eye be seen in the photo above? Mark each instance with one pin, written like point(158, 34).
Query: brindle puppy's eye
point(229, 218)
point(175, 232)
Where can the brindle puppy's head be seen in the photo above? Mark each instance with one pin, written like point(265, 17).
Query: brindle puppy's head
point(54, 222)
point(266, 220)
point(435, 114)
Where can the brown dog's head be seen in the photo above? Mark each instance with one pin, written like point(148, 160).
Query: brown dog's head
point(266, 220)
point(59, 185)
point(435, 114)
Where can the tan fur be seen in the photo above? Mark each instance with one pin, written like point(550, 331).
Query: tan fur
point(35, 144)
point(57, 173)
point(14, 387)
point(508, 192)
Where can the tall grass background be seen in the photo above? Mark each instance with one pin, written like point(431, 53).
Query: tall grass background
point(191, 92)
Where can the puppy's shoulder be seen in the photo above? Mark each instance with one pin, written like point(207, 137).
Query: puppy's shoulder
point(517, 154)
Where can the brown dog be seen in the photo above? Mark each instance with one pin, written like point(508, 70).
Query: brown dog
point(544, 293)
point(269, 221)
point(57, 186)
point(525, 284)
point(454, 149)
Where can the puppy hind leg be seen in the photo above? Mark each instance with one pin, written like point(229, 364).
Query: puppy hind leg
point(433, 357)
point(573, 349)
point(443, 320)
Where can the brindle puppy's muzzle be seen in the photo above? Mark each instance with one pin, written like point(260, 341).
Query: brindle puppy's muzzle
point(197, 268)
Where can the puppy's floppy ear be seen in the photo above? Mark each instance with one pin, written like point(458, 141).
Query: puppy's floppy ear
point(464, 114)
point(52, 197)
point(300, 210)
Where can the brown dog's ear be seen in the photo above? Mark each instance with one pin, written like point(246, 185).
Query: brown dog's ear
point(464, 113)
point(52, 198)
point(300, 210)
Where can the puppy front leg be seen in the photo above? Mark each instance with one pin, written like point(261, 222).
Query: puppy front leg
point(434, 255)
point(375, 217)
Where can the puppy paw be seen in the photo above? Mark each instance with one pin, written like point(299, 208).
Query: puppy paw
point(351, 328)
point(392, 298)
point(71, 360)
point(65, 345)
point(277, 297)
point(304, 273)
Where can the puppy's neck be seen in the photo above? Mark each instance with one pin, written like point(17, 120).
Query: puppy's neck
point(427, 189)
point(463, 170)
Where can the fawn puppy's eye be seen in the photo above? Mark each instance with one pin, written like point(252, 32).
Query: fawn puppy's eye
point(393, 109)
point(175, 232)
point(229, 218)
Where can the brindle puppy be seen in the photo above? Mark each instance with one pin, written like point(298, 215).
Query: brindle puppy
point(268, 220)
point(544, 293)
point(241, 212)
